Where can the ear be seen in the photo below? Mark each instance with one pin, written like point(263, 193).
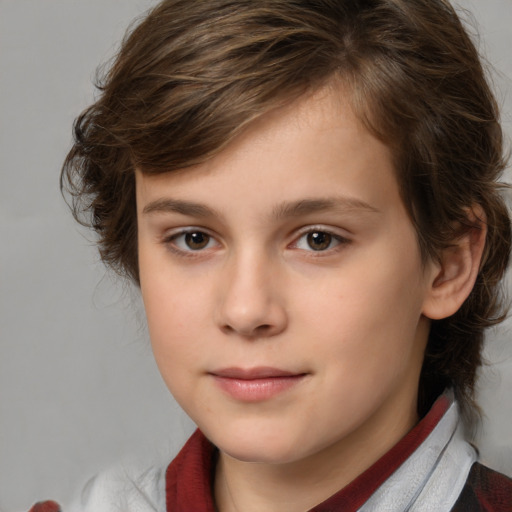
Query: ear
point(453, 276)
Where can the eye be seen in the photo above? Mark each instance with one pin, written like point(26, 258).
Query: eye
point(318, 240)
point(193, 240)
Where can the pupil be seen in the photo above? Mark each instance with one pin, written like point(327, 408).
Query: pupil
point(197, 240)
point(319, 241)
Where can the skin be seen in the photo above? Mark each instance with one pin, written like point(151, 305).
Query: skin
point(349, 315)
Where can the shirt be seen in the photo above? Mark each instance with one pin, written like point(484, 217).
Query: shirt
point(432, 468)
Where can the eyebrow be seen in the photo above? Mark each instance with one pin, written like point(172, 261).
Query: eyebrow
point(167, 205)
point(284, 210)
point(313, 205)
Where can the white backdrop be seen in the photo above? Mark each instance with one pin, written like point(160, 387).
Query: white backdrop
point(78, 387)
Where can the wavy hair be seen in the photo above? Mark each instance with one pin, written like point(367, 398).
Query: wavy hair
point(193, 74)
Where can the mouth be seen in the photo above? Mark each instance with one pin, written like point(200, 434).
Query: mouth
point(255, 384)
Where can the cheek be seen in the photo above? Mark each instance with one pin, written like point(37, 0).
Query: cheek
point(172, 316)
point(173, 321)
point(175, 342)
point(366, 316)
point(171, 298)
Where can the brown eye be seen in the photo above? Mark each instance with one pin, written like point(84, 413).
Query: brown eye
point(196, 240)
point(319, 240)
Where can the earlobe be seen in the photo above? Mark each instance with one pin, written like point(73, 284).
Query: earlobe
point(454, 276)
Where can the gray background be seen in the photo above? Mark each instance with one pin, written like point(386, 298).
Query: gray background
point(78, 387)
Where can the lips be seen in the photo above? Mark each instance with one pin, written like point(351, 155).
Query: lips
point(261, 372)
point(255, 384)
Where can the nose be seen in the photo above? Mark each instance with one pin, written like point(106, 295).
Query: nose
point(251, 303)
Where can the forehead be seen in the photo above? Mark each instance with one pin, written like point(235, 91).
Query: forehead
point(314, 147)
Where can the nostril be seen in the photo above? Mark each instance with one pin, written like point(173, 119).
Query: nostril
point(262, 329)
point(227, 329)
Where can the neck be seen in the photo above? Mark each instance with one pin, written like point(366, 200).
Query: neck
point(300, 485)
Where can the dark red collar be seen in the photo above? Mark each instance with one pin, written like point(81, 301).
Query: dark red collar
point(189, 477)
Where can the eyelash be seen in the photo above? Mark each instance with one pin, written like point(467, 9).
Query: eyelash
point(170, 242)
point(333, 237)
point(339, 241)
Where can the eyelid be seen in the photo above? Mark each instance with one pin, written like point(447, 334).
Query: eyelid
point(334, 232)
point(170, 236)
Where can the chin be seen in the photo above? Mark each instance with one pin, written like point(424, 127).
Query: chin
point(260, 453)
point(257, 445)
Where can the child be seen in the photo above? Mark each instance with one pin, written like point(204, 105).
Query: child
point(306, 194)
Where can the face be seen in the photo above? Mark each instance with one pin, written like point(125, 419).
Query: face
point(284, 287)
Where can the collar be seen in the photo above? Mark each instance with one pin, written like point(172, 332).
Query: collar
point(428, 465)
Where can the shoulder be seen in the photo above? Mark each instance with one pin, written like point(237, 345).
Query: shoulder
point(486, 490)
point(121, 488)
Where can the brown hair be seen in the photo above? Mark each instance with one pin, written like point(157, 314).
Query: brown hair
point(194, 73)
